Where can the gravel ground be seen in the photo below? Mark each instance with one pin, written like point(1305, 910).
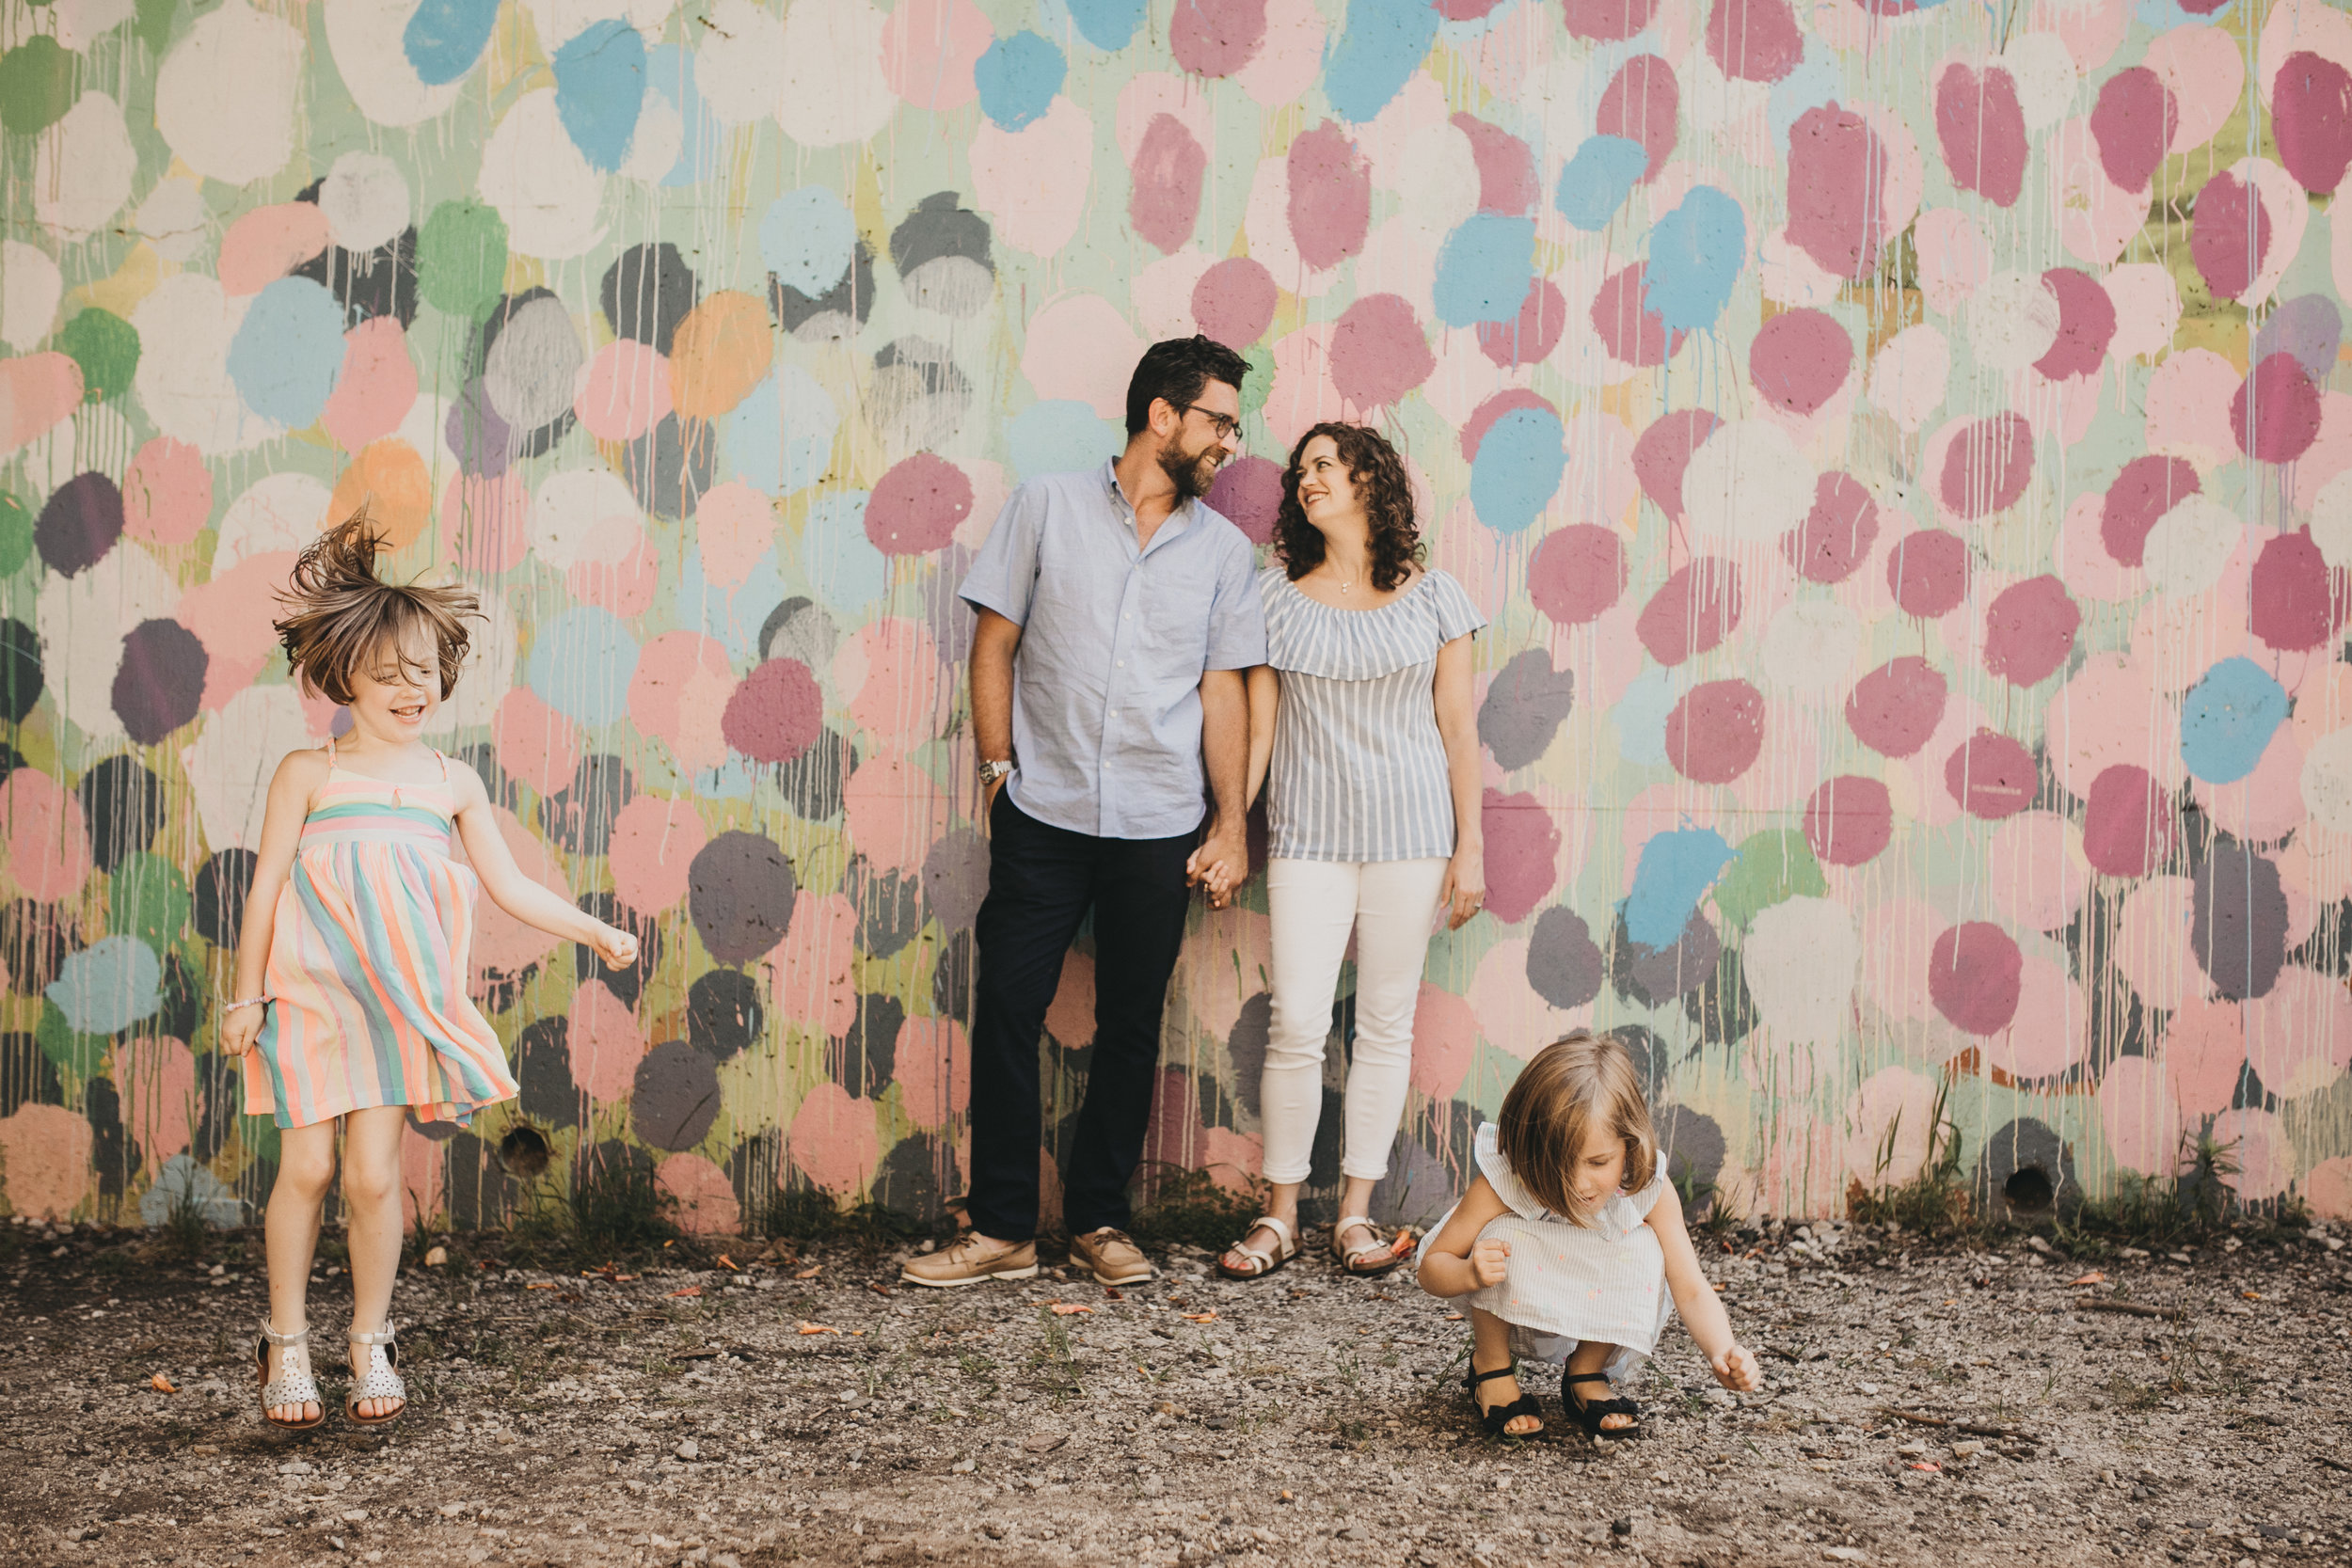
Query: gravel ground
point(806, 1408)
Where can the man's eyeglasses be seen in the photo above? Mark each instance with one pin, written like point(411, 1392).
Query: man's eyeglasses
point(1226, 426)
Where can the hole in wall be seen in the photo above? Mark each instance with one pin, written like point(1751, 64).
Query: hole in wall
point(2028, 1187)
point(524, 1151)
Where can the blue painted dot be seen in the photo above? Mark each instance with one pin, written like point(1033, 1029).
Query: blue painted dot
point(288, 352)
point(1058, 436)
point(840, 565)
point(2227, 720)
point(670, 73)
point(1018, 78)
point(733, 615)
point(109, 985)
point(1598, 180)
point(580, 664)
point(1381, 45)
point(1484, 269)
point(1640, 717)
point(808, 239)
point(599, 88)
point(1695, 254)
point(1676, 869)
point(780, 436)
point(1108, 25)
point(1517, 469)
point(445, 37)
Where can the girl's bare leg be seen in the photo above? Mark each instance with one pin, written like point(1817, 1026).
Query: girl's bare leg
point(1590, 1355)
point(1490, 1346)
point(373, 1217)
point(306, 1165)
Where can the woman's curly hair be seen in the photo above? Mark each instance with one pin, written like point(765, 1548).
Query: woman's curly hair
point(1378, 474)
point(342, 620)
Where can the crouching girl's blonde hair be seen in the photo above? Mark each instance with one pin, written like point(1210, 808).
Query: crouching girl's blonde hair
point(342, 620)
point(1570, 1086)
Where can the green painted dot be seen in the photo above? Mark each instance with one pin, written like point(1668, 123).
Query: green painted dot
point(1261, 378)
point(15, 534)
point(82, 1055)
point(1772, 865)
point(36, 84)
point(461, 257)
point(107, 349)
point(148, 898)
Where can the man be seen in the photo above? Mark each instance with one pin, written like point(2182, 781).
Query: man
point(1118, 614)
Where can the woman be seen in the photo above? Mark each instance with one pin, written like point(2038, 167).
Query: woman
point(1363, 716)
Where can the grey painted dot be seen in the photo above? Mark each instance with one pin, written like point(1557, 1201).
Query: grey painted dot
point(916, 1177)
point(2025, 1169)
point(2239, 928)
point(1690, 1145)
point(531, 359)
point(579, 817)
point(647, 292)
point(889, 909)
point(920, 398)
point(940, 227)
point(1563, 962)
point(834, 315)
point(677, 1097)
point(122, 802)
point(484, 444)
point(1525, 708)
point(811, 783)
point(799, 629)
point(1652, 976)
point(868, 1054)
point(1653, 1059)
point(1418, 1189)
point(543, 1066)
point(1244, 1049)
point(952, 285)
point(739, 895)
point(669, 468)
point(955, 879)
point(1721, 1007)
point(724, 1013)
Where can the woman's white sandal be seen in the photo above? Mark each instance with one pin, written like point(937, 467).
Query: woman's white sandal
point(1286, 1248)
point(1382, 1249)
point(375, 1379)
point(292, 1385)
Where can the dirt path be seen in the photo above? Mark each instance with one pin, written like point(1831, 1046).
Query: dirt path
point(808, 1409)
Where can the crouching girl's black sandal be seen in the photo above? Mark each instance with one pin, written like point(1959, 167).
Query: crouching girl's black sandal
point(1502, 1416)
point(1589, 1414)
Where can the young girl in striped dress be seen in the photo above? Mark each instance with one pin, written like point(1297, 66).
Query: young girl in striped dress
point(350, 1007)
point(1563, 1242)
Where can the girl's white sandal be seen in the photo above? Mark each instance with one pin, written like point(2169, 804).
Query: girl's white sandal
point(1286, 1248)
point(375, 1379)
point(292, 1385)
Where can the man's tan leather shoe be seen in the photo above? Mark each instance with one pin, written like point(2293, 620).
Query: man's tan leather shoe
point(1114, 1258)
point(973, 1261)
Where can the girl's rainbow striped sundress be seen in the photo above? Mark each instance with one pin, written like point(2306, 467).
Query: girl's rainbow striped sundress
point(368, 964)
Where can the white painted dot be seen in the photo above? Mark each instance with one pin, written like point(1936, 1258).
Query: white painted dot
point(2331, 520)
point(365, 199)
point(2043, 70)
point(2013, 321)
point(1747, 482)
point(225, 96)
point(2328, 781)
point(30, 288)
point(735, 67)
point(2190, 546)
point(1810, 645)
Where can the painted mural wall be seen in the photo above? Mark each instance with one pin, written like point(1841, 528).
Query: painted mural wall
point(1905, 450)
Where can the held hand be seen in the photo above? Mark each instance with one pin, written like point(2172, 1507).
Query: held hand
point(1487, 1261)
point(240, 1030)
point(616, 948)
point(1220, 865)
point(1735, 1369)
point(1465, 891)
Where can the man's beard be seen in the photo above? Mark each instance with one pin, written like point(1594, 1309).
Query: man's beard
point(1191, 475)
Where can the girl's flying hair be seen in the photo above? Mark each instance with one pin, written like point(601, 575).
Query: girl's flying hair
point(344, 621)
point(1571, 1085)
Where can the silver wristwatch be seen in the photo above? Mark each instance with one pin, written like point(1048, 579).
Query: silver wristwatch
point(992, 772)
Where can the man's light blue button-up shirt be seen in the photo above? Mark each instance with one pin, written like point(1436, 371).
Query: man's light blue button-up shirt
point(1114, 638)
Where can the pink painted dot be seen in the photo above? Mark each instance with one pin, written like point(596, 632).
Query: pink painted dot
point(2296, 601)
point(2086, 324)
point(655, 840)
point(1642, 101)
point(2127, 822)
point(376, 388)
point(1379, 351)
point(1507, 182)
point(1330, 195)
point(534, 742)
point(1577, 574)
point(1529, 337)
point(626, 391)
point(1987, 465)
point(267, 242)
point(1991, 775)
point(1798, 359)
point(1233, 302)
point(1483, 418)
point(2133, 124)
point(1980, 128)
point(45, 854)
point(1217, 38)
point(1608, 21)
point(917, 505)
point(776, 713)
point(1715, 732)
point(1896, 706)
point(2276, 411)
point(1164, 194)
point(1664, 451)
point(2146, 489)
point(1754, 41)
point(1694, 612)
point(2229, 236)
point(1929, 573)
point(1628, 328)
point(2029, 630)
point(2310, 117)
point(1837, 535)
point(1974, 973)
point(1248, 494)
point(1523, 858)
point(1848, 820)
point(1838, 175)
point(167, 494)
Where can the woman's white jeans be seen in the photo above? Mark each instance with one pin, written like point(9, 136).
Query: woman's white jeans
point(1390, 906)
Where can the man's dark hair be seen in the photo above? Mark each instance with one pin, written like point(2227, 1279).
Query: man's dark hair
point(1177, 369)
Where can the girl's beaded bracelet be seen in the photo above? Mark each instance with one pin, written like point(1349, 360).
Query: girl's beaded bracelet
point(227, 1008)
